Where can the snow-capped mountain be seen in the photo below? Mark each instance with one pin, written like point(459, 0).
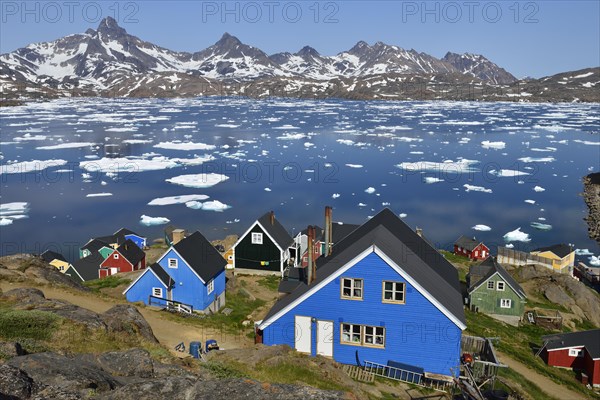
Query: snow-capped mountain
point(479, 66)
point(110, 62)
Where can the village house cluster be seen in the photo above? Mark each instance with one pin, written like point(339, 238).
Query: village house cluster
point(377, 294)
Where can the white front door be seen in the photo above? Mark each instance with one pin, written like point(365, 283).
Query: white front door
point(113, 271)
point(325, 338)
point(302, 334)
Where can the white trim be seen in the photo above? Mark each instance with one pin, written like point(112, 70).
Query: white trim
point(183, 259)
point(73, 268)
point(155, 290)
point(316, 287)
point(281, 251)
point(210, 284)
point(579, 353)
point(256, 238)
point(346, 267)
point(498, 286)
point(507, 303)
point(505, 281)
point(567, 348)
point(140, 277)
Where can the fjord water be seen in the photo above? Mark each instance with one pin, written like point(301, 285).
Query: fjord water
point(295, 157)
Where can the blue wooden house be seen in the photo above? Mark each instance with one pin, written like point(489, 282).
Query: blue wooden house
point(383, 295)
point(191, 272)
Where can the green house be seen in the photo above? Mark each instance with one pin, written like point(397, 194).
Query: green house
point(493, 291)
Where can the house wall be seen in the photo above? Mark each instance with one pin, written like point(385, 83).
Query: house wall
point(417, 333)
point(138, 240)
point(188, 288)
point(121, 263)
point(592, 369)
point(219, 288)
point(557, 262)
point(561, 358)
point(488, 300)
point(248, 256)
point(142, 289)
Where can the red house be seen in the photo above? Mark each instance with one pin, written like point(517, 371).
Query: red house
point(127, 257)
point(577, 350)
point(471, 248)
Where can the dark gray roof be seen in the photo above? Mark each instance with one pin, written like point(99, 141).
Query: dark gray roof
point(50, 256)
point(589, 339)
point(489, 267)
point(287, 286)
point(318, 232)
point(162, 275)
point(467, 243)
point(407, 249)
point(89, 266)
point(131, 252)
point(95, 245)
point(340, 230)
point(561, 250)
point(201, 256)
point(281, 237)
point(125, 231)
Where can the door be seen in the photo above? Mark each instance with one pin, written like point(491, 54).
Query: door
point(325, 338)
point(302, 334)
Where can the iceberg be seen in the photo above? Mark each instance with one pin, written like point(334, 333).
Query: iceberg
point(152, 221)
point(517, 236)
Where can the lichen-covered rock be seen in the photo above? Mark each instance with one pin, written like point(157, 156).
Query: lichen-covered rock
point(10, 350)
point(14, 383)
point(126, 318)
point(129, 363)
point(591, 195)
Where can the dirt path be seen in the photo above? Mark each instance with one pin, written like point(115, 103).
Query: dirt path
point(168, 332)
point(546, 384)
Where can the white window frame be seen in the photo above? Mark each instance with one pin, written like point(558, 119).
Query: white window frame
point(172, 263)
point(492, 286)
point(353, 288)
point(362, 335)
point(397, 287)
point(116, 256)
point(256, 238)
point(157, 292)
point(210, 286)
point(575, 352)
point(505, 303)
point(499, 284)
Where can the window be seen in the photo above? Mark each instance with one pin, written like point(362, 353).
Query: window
point(172, 263)
point(210, 287)
point(116, 256)
point(363, 335)
point(505, 303)
point(500, 286)
point(476, 253)
point(393, 292)
point(490, 285)
point(575, 352)
point(352, 289)
point(257, 238)
point(157, 292)
point(230, 257)
point(483, 253)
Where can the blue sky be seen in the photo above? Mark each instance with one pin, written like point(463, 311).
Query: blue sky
point(528, 38)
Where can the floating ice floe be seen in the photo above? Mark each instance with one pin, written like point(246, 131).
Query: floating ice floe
point(215, 205)
point(267, 189)
point(347, 142)
point(517, 236)
point(124, 164)
point(166, 201)
point(29, 137)
point(481, 228)
point(292, 136)
point(184, 146)
point(30, 166)
point(508, 173)
point(587, 142)
point(509, 246)
point(137, 141)
point(529, 201)
point(72, 145)
point(98, 195)
point(541, 227)
point(544, 150)
point(583, 252)
point(198, 181)
point(403, 215)
point(430, 179)
point(533, 159)
point(416, 152)
point(594, 261)
point(486, 144)
point(539, 189)
point(335, 195)
point(356, 166)
point(12, 211)
point(308, 144)
point(370, 190)
point(152, 221)
point(231, 126)
point(362, 205)
point(471, 188)
point(448, 166)
point(5, 221)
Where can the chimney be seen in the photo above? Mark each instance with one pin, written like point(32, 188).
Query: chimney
point(310, 268)
point(419, 231)
point(178, 235)
point(328, 231)
point(272, 218)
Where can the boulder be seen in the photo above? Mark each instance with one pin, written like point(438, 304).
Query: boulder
point(65, 374)
point(129, 363)
point(14, 383)
point(10, 350)
point(127, 318)
point(25, 296)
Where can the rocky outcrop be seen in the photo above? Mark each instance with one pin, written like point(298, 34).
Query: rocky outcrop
point(591, 195)
point(126, 318)
point(131, 375)
point(27, 267)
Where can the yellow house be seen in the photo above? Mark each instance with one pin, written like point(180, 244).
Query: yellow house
point(56, 260)
point(562, 256)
